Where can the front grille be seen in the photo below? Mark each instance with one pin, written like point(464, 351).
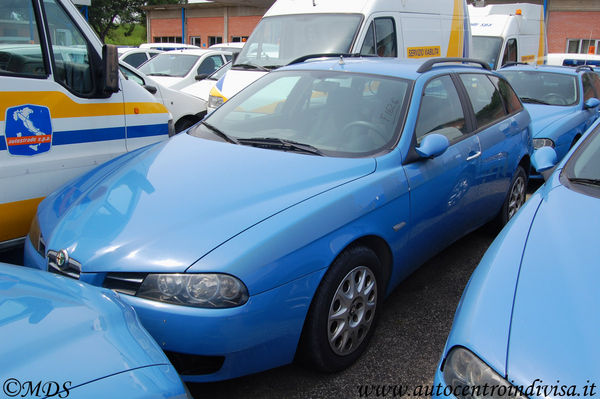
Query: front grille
point(125, 283)
point(195, 364)
point(71, 268)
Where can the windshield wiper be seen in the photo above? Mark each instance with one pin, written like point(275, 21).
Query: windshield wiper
point(158, 74)
point(220, 133)
point(581, 180)
point(249, 65)
point(533, 100)
point(280, 144)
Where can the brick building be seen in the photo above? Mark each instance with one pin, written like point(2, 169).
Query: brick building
point(572, 25)
point(202, 24)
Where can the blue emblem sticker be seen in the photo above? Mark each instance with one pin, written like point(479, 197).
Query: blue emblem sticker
point(28, 130)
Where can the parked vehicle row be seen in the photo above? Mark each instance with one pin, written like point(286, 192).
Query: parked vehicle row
point(522, 327)
point(288, 213)
point(307, 190)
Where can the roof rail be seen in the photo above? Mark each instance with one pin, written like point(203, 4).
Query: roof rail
point(585, 68)
point(513, 63)
point(325, 55)
point(428, 65)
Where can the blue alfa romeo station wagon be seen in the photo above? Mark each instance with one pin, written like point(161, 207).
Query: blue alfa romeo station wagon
point(273, 230)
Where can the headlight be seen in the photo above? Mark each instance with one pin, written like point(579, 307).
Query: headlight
point(199, 290)
point(539, 143)
point(215, 98)
point(469, 377)
point(35, 236)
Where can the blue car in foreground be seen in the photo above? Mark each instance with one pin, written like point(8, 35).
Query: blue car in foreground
point(563, 102)
point(274, 229)
point(64, 338)
point(527, 323)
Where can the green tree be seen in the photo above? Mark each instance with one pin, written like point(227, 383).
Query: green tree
point(106, 15)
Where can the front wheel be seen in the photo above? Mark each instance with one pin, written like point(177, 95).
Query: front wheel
point(516, 195)
point(344, 311)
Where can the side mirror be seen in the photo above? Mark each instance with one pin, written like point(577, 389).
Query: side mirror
point(433, 145)
point(591, 103)
point(151, 89)
point(543, 160)
point(202, 76)
point(110, 69)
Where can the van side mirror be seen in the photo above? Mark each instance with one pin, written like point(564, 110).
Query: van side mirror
point(151, 89)
point(543, 160)
point(110, 69)
point(433, 145)
point(591, 103)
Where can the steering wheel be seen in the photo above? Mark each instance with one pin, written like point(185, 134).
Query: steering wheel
point(555, 99)
point(370, 126)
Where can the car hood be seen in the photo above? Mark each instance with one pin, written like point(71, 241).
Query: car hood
point(164, 207)
point(58, 329)
point(555, 322)
point(235, 80)
point(543, 116)
point(200, 89)
point(166, 81)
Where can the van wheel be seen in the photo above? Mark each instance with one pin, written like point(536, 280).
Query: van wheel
point(515, 197)
point(344, 311)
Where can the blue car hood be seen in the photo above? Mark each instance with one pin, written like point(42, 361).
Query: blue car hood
point(555, 323)
point(163, 208)
point(57, 329)
point(543, 116)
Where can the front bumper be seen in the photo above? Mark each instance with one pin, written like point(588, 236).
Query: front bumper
point(260, 335)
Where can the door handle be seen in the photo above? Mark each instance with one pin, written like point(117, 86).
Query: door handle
point(473, 156)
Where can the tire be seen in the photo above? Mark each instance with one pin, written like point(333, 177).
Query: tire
point(338, 329)
point(515, 197)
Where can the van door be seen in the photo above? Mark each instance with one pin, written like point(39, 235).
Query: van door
point(53, 125)
point(381, 37)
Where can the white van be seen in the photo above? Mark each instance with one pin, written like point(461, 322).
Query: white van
point(291, 29)
point(504, 33)
point(64, 107)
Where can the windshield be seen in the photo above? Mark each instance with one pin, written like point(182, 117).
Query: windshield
point(278, 40)
point(583, 168)
point(539, 87)
point(165, 64)
point(334, 113)
point(486, 48)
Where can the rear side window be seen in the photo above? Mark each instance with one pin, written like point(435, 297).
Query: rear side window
point(381, 38)
point(511, 100)
point(68, 45)
point(441, 111)
point(485, 98)
point(20, 47)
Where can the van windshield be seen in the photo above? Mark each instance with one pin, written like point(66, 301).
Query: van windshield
point(486, 48)
point(278, 40)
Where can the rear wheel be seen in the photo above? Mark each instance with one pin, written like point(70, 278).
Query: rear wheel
point(344, 311)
